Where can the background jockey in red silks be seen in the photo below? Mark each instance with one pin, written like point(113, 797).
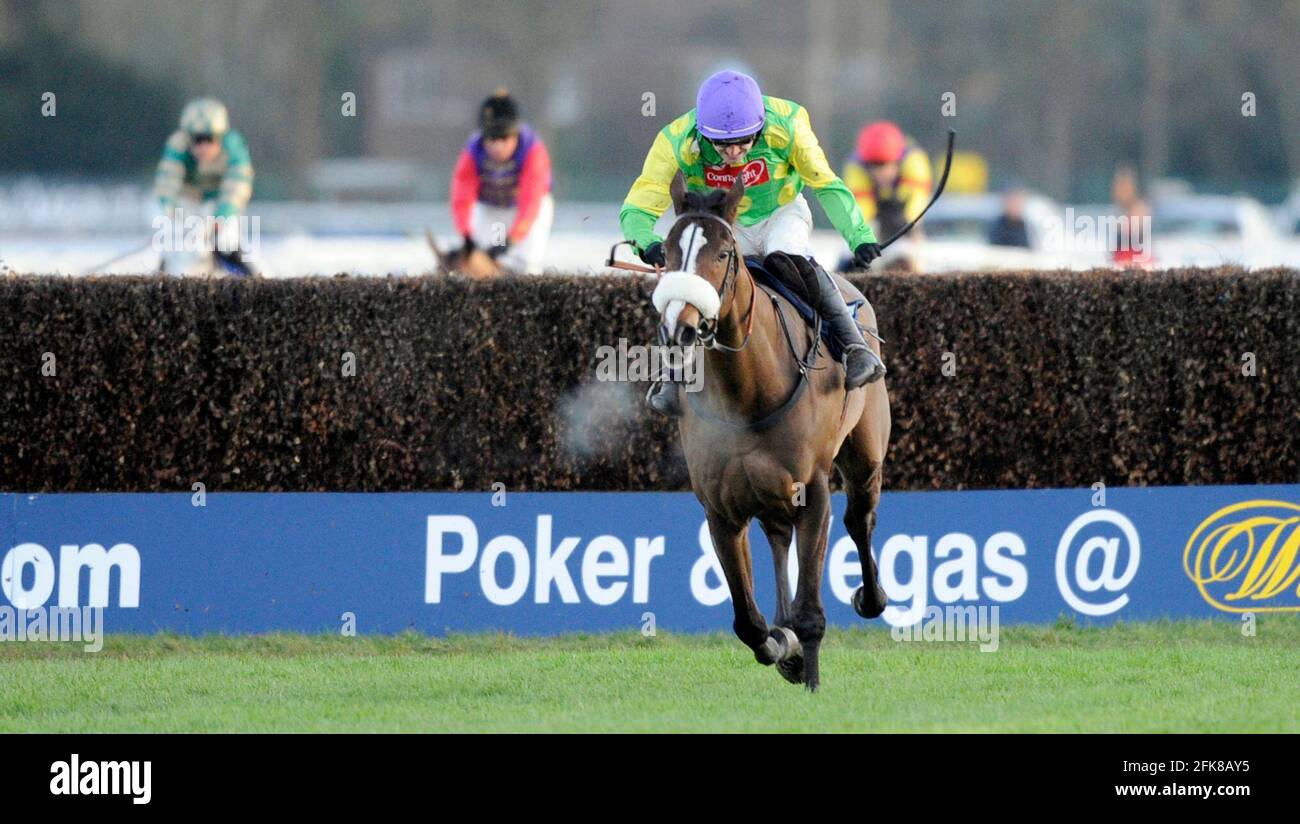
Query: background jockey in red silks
point(890, 177)
point(501, 188)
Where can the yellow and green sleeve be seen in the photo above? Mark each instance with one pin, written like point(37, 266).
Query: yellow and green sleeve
point(859, 183)
point(649, 198)
point(841, 207)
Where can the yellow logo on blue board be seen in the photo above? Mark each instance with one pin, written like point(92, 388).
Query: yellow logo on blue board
point(1246, 557)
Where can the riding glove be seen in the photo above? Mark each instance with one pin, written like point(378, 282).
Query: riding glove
point(865, 253)
point(654, 254)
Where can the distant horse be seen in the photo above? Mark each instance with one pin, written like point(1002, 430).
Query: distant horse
point(468, 260)
point(767, 424)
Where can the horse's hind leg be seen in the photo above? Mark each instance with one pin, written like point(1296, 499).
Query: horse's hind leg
point(808, 617)
point(861, 461)
point(732, 547)
point(860, 517)
point(778, 536)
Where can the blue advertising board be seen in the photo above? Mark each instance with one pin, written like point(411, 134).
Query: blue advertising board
point(539, 563)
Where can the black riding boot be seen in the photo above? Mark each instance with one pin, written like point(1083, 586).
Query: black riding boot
point(233, 262)
point(664, 397)
point(861, 364)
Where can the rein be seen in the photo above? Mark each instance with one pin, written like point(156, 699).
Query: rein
point(631, 267)
point(709, 337)
point(805, 364)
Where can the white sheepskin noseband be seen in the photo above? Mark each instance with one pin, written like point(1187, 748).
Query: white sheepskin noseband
point(689, 288)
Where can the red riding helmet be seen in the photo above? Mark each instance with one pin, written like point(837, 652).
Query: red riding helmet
point(881, 142)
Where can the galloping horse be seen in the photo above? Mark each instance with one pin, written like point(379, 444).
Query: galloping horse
point(762, 434)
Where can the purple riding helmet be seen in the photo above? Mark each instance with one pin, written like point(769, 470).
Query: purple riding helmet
point(729, 106)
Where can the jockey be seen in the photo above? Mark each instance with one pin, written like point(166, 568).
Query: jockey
point(736, 130)
point(501, 188)
point(890, 177)
point(206, 164)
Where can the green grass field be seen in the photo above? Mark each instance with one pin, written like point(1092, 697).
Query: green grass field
point(1168, 676)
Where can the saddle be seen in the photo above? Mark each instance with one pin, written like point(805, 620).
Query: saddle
point(802, 294)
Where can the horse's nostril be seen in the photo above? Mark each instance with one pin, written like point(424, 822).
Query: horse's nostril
point(686, 336)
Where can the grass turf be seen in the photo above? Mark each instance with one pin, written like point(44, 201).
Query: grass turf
point(1163, 676)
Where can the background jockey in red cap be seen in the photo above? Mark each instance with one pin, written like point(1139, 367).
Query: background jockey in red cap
point(890, 176)
point(501, 188)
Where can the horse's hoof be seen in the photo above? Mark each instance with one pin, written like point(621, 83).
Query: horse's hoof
point(791, 669)
point(869, 608)
point(788, 641)
point(769, 652)
point(790, 664)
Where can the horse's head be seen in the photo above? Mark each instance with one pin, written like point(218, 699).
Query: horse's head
point(703, 262)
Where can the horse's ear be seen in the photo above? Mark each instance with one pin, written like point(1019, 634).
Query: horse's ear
point(446, 260)
point(731, 204)
point(677, 190)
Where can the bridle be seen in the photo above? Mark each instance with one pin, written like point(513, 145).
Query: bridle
point(708, 339)
point(709, 327)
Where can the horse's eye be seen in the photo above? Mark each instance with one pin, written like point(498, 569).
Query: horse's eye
point(725, 255)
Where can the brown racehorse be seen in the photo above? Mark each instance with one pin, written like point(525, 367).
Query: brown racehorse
point(471, 261)
point(762, 433)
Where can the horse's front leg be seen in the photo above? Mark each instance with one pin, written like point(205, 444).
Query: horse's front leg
point(778, 537)
point(808, 616)
point(731, 543)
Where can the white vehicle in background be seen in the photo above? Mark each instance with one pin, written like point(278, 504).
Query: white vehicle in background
point(1214, 230)
point(957, 232)
point(1288, 226)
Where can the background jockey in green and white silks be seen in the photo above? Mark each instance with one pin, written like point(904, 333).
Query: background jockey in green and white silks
point(734, 130)
point(206, 167)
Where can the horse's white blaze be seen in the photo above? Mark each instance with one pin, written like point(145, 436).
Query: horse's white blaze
point(676, 289)
point(690, 250)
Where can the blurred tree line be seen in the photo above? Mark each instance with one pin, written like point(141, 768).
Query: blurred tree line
point(1053, 93)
